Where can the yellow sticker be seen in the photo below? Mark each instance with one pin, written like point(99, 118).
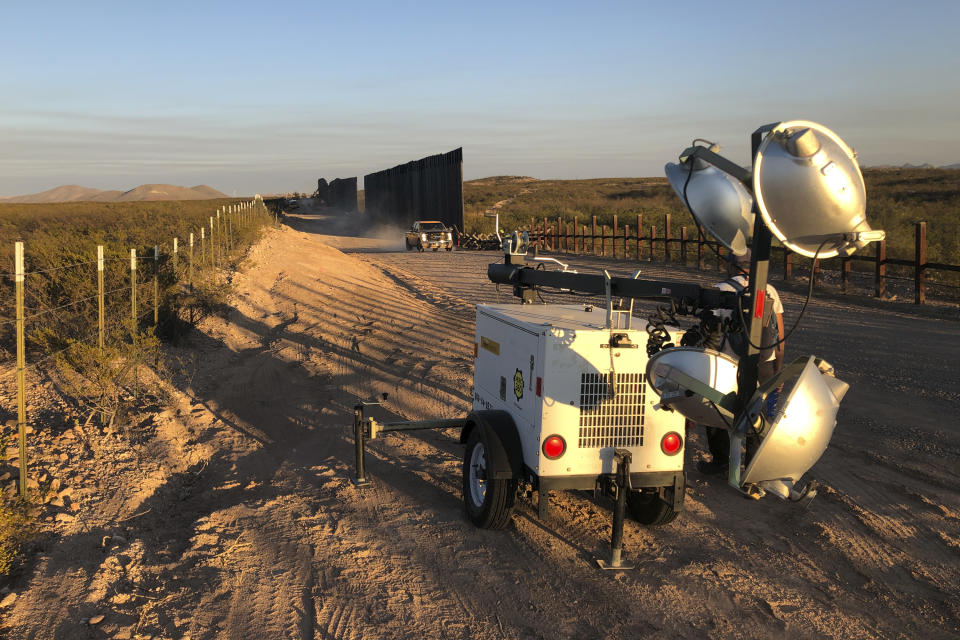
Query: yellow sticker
point(490, 345)
point(518, 384)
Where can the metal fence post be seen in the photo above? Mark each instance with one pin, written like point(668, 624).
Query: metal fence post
point(100, 297)
point(639, 234)
point(653, 242)
point(176, 261)
point(666, 238)
point(190, 267)
point(683, 245)
point(21, 367)
point(626, 241)
point(156, 285)
point(880, 280)
point(920, 266)
point(616, 227)
point(203, 246)
point(701, 265)
point(133, 287)
point(213, 245)
point(134, 330)
point(593, 237)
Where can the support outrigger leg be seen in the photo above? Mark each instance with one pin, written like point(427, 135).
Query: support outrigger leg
point(623, 459)
point(358, 437)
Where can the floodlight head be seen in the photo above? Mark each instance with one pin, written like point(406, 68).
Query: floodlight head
point(693, 381)
point(800, 428)
point(810, 191)
point(718, 201)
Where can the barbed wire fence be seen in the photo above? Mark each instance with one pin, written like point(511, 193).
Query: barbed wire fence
point(102, 318)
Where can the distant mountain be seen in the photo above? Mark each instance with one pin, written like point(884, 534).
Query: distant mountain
point(908, 165)
point(74, 193)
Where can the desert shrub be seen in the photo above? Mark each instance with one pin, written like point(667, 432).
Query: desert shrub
point(15, 530)
point(60, 256)
point(105, 381)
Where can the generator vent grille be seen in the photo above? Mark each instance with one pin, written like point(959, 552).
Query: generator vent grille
point(609, 419)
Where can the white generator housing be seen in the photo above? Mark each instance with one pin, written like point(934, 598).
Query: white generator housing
point(553, 369)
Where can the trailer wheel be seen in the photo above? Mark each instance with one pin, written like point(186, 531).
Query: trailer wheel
point(648, 508)
point(489, 503)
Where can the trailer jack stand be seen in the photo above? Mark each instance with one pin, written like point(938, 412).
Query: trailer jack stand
point(616, 563)
point(360, 480)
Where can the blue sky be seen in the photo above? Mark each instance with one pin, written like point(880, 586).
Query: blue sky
point(269, 96)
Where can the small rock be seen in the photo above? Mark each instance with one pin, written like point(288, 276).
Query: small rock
point(64, 457)
point(66, 517)
point(8, 600)
point(97, 619)
point(55, 484)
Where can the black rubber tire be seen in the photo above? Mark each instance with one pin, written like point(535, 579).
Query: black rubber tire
point(420, 247)
point(407, 243)
point(647, 508)
point(496, 507)
point(449, 248)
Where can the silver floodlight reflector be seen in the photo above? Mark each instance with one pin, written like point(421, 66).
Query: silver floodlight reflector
point(801, 426)
point(810, 191)
point(719, 202)
point(696, 382)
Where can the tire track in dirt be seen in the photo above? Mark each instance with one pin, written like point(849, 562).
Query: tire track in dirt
point(263, 535)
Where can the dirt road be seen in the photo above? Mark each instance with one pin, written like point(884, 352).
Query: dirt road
point(236, 518)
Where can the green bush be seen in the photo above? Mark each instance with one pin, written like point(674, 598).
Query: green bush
point(15, 529)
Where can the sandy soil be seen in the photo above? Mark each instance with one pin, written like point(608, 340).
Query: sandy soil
point(230, 514)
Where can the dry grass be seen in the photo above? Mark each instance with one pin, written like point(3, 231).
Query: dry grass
point(896, 199)
point(15, 531)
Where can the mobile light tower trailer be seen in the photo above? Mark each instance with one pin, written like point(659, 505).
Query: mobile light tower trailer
point(576, 397)
point(561, 401)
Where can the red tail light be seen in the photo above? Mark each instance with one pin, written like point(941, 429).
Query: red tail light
point(554, 447)
point(539, 387)
point(671, 443)
point(475, 351)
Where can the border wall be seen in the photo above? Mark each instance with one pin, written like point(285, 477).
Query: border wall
point(342, 194)
point(427, 189)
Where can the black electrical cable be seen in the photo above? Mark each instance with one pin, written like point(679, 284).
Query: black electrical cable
point(722, 417)
point(799, 318)
point(686, 201)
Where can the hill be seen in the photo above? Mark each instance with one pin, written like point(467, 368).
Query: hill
point(145, 192)
point(897, 197)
